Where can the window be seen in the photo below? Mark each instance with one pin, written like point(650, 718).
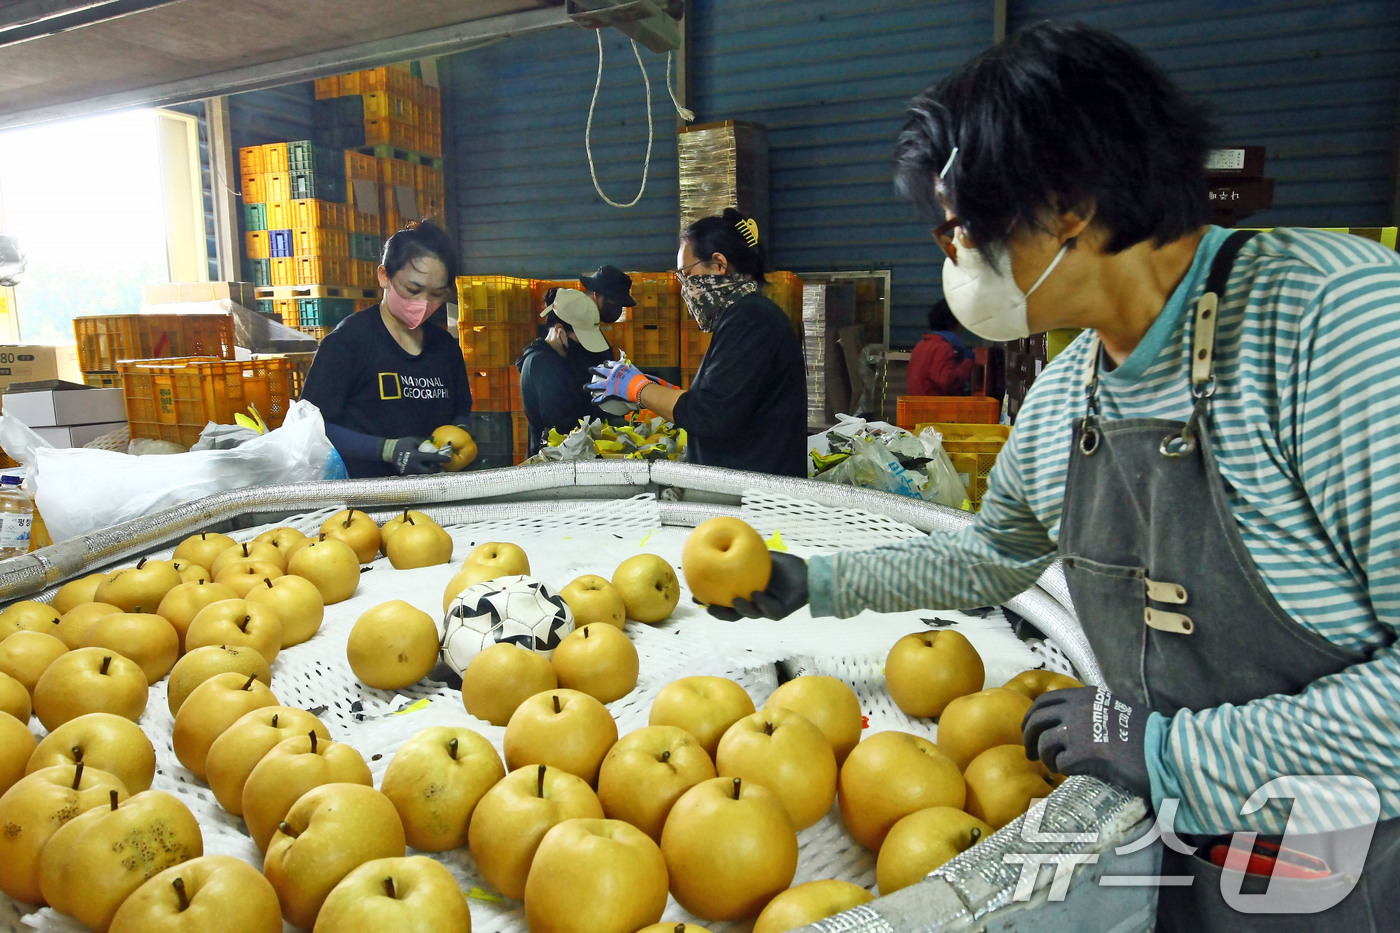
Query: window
point(103, 207)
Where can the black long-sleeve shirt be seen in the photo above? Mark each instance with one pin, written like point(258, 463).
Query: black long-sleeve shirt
point(746, 408)
point(552, 388)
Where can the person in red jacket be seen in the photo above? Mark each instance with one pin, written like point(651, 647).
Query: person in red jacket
point(940, 364)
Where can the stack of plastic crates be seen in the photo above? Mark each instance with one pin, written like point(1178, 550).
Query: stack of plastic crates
point(173, 399)
point(911, 410)
point(497, 316)
point(104, 340)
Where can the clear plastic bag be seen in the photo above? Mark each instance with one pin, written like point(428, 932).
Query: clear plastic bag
point(945, 484)
point(80, 490)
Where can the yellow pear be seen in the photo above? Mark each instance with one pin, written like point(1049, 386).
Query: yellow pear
point(17, 746)
point(393, 645)
point(922, 841)
point(502, 677)
point(808, 903)
point(144, 637)
point(32, 811)
point(76, 592)
point(973, 723)
point(240, 553)
point(100, 740)
point(209, 893)
point(356, 529)
point(182, 604)
point(191, 572)
point(1002, 783)
point(282, 538)
point(242, 576)
point(298, 605)
point(419, 544)
point(14, 699)
point(26, 655)
point(649, 587)
point(142, 586)
point(598, 660)
point(292, 768)
point(435, 780)
point(28, 616)
point(330, 565)
point(486, 562)
point(203, 548)
point(202, 663)
point(1034, 683)
point(90, 680)
point(398, 521)
point(74, 624)
point(829, 704)
point(239, 748)
point(237, 622)
point(211, 708)
point(592, 599)
point(463, 447)
point(409, 894)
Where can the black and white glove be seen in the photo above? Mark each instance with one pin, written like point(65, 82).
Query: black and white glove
point(405, 457)
point(1085, 730)
point(786, 593)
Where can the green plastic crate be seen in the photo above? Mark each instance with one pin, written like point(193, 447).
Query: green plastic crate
point(254, 217)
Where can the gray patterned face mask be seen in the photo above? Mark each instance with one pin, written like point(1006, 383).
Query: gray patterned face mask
point(707, 296)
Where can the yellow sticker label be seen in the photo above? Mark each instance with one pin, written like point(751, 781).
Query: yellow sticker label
point(412, 707)
point(776, 543)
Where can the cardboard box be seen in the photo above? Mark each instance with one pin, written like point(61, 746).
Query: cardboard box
point(76, 435)
point(56, 407)
point(35, 362)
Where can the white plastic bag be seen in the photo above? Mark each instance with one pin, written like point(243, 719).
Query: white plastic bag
point(945, 485)
point(80, 490)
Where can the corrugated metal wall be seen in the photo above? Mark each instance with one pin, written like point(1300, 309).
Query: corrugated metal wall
point(1318, 84)
point(831, 80)
point(525, 201)
point(274, 116)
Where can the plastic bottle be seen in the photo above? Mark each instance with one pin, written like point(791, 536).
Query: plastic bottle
point(16, 518)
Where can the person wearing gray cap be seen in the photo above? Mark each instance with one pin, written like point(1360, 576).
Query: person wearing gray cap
point(611, 290)
point(554, 368)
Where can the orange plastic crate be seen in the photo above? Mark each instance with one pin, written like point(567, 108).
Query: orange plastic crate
point(317, 271)
point(172, 400)
point(327, 87)
point(373, 79)
point(364, 274)
point(961, 409)
point(300, 365)
point(363, 221)
point(250, 160)
point(281, 215)
point(647, 345)
point(317, 332)
point(256, 244)
point(694, 343)
point(486, 346)
point(658, 297)
point(785, 290)
point(359, 165)
point(495, 299)
point(275, 158)
point(286, 309)
point(253, 189)
point(278, 185)
point(283, 271)
point(376, 131)
point(324, 242)
point(520, 436)
point(495, 389)
point(103, 340)
point(313, 213)
point(350, 84)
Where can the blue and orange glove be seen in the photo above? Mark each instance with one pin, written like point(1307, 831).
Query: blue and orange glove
point(620, 381)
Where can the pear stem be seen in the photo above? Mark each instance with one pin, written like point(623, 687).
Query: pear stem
point(243, 626)
point(409, 518)
point(203, 535)
point(77, 775)
point(249, 683)
point(680, 928)
point(666, 755)
point(768, 727)
point(141, 563)
point(405, 514)
point(389, 888)
point(245, 548)
point(106, 663)
point(201, 583)
point(452, 749)
point(349, 514)
point(736, 788)
point(313, 741)
point(585, 631)
point(975, 835)
point(540, 781)
point(77, 753)
point(268, 582)
point(179, 885)
point(286, 829)
point(112, 796)
point(556, 703)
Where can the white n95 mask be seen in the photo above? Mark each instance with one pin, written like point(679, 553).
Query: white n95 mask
point(985, 298)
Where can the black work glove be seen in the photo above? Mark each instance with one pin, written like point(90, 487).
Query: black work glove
point(405, 457)
point(1084, 730)
point(785, 594)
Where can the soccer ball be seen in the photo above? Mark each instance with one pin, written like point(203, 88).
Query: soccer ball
point(516, 609)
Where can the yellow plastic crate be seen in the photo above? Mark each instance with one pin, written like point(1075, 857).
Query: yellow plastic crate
point(173, 399)
point(494, 299)
point(981, 442)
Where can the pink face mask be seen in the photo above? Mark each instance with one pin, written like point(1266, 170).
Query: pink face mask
point(412, 313)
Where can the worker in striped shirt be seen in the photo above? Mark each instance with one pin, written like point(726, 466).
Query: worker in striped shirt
point(1214, 459)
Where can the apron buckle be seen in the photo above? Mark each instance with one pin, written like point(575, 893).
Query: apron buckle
point(1088, 437)
point(1173, 622)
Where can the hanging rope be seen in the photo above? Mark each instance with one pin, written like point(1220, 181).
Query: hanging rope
point(588, 131)
point(684, 113)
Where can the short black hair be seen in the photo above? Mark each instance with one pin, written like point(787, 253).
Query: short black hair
point(720, 234)
point(424, 238)
point(941, 317)
point(1057, 116)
